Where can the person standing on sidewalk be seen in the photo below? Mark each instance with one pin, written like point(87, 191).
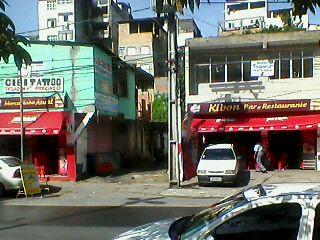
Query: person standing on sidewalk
point(258, 155)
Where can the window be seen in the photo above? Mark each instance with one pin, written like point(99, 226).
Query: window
point(52, 38)
point(65, 36)
point(146, 27)
point(145, 50)
point(145, 67)
point(234, 69)
point(307, 63)
point(51, 4)
point(51, 23)
point(202, 73)
point(64, 1)
point(218, 154)
point(218, 69)
point(120, 87)
point(257, 5)
point(64, 17)
point(285, 65)
point(134, 27)
point(121, 51)
point(296, 65)
point(237, 7)
point(280, 221)
point(11, 162)
point(131, 51)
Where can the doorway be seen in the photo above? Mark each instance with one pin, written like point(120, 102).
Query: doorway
point(285, 147)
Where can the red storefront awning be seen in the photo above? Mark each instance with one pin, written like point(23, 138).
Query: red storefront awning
point(256, 124)
point(35, 123)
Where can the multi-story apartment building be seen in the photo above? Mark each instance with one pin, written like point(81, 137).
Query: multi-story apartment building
point(187, 28)
point(105, 15)
point(93, 21)
point(143, 42)
point(255, 15)
point(264, 87)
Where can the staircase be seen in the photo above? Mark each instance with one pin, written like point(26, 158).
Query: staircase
point(309, 164)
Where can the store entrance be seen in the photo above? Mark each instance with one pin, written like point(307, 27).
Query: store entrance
point(285, 149)
point(243, 142)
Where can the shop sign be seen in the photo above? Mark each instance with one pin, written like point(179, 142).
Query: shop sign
point(34, 84)
point(26, 119)
point(103, 68)
point(107, 103)
point(30, 180)
point(30, 103)
point(262, 68)
point(250, 107)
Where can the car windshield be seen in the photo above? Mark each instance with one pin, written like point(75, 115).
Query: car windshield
point(218, 154)
point(11, 162)
point(213, 213)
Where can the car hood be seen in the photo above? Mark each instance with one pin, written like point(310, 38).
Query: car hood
point(152, 231)
point(217, 165)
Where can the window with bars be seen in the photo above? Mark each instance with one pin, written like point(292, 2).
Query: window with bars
point(236, 68)
point(52, 37)
point(64, 1)
point(51, 4)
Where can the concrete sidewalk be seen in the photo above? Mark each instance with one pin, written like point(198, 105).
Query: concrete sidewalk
point(142, 191)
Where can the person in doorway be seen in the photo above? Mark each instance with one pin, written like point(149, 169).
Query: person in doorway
point(258, 155)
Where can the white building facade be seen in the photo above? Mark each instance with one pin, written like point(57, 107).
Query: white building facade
point(255, 15)
point(263, 88)
point(56, 20)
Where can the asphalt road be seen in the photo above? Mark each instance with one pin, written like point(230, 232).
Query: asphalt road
point(29, 223)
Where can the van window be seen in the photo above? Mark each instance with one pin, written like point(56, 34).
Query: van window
point(218, 154)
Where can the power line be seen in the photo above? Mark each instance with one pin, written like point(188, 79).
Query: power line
point(76, 22)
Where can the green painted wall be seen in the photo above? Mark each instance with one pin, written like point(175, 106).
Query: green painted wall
point(72, 63)
point(106, 101)
point(127, 106)
point(87, 77)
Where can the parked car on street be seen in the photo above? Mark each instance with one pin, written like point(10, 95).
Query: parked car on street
point(10, 176)
point(277, 211)
point(218, 164)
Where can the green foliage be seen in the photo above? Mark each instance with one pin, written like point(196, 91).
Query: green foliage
point(9, 41)
point(181, 4)
point(300, 7)
point(274, 29)
point(160, 108)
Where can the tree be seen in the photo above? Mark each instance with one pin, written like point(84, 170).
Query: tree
point(160, 108)
point(179, 5)
point(9, 40)
point(300, 7)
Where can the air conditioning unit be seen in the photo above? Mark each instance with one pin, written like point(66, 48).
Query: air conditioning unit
point(162, 6)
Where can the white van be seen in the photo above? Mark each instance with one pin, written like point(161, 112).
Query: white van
point(218, 164)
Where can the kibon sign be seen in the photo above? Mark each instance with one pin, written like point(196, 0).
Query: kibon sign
point(251, 107)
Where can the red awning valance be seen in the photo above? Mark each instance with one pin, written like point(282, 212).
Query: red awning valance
point(35, 123)
point(256, 124)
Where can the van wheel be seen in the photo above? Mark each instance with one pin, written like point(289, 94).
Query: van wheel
point(201, 184)
point(2, 189)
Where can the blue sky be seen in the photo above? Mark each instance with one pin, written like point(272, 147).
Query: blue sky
point(24, 13)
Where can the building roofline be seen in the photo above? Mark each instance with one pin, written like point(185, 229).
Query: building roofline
point(255, 40)
point(107, 51)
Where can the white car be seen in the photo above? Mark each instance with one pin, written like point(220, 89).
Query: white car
point(263, 212)
point(10, 176)
point(218, 164)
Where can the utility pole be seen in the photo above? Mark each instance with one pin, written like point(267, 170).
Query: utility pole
point(21, 119)
point(175, 169)
point(174, 112)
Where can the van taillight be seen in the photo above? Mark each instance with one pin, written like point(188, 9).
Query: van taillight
point(17, 174)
